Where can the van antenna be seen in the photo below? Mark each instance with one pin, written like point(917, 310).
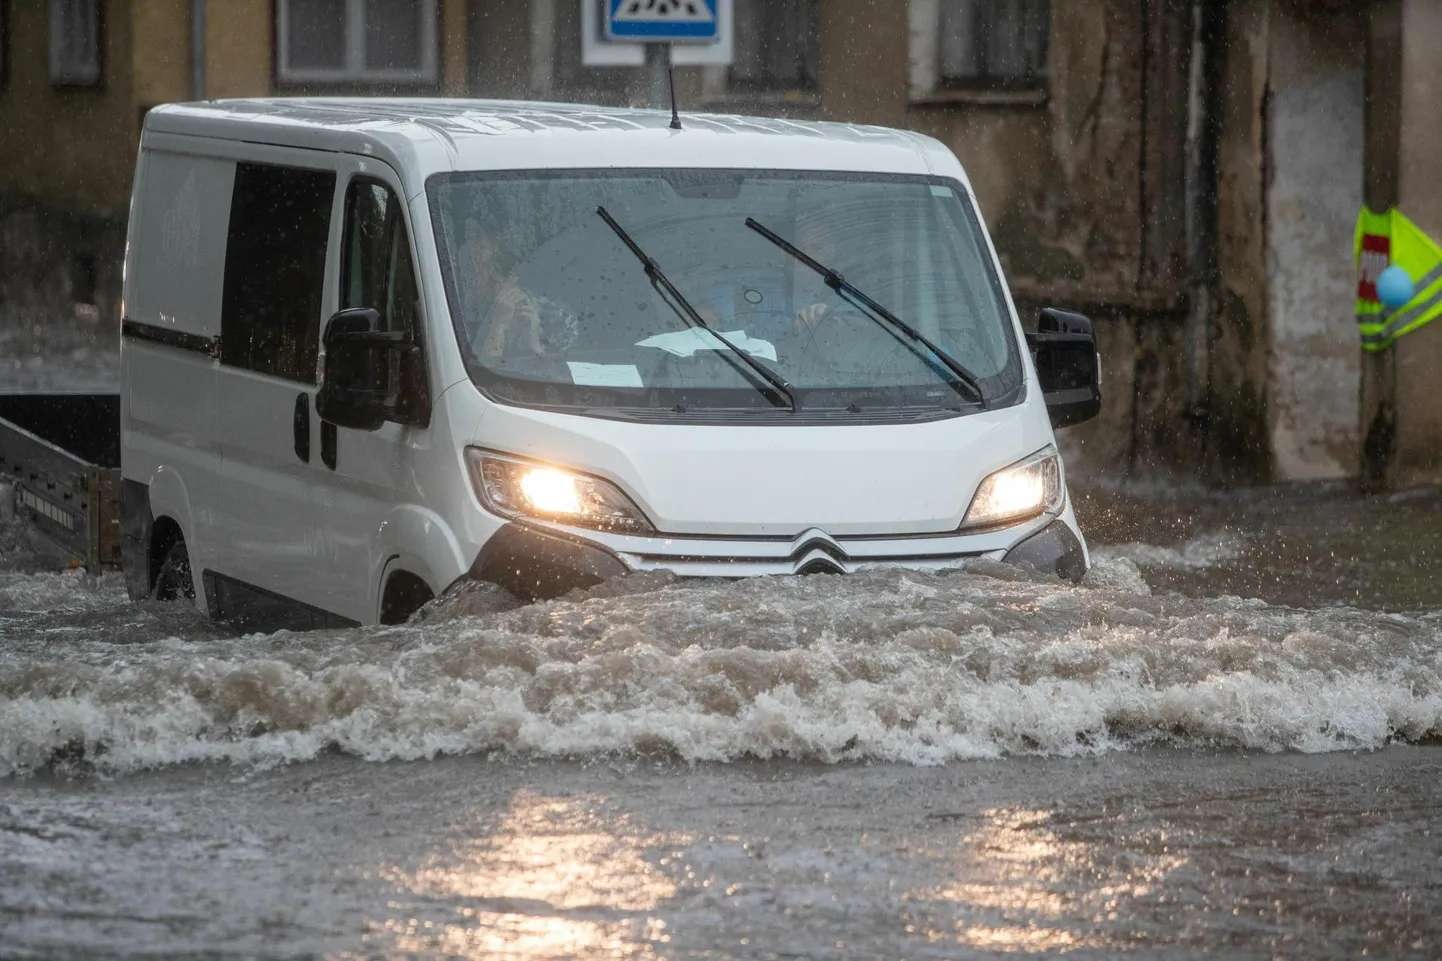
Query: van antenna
point(671, 82)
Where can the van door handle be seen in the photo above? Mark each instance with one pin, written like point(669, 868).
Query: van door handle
point(301, 425)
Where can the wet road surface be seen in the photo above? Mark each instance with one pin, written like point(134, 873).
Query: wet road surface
point(1150, 854)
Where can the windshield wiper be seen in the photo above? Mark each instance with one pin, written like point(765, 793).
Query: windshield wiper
point(875, 311)
point(687, 313)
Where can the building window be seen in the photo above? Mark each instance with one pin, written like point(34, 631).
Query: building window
point(75, 43)
point(994, 43)
point(777, 49)
point(275, 270)
point(979, 47)
point(356, 41)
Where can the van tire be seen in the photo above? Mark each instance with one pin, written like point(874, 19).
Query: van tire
point(173, 582)
point(405, 594)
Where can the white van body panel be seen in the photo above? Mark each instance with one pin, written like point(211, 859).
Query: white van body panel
point(420, 137)
point(178, 225)
point(215, 444)
point(756, 482)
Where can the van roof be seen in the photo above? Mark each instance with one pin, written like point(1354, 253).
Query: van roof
point(420, 137)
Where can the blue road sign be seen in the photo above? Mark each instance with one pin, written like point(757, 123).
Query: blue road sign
point(662, 21)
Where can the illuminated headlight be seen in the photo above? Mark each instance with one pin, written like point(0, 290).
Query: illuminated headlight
point(517, 488)
point(1019, 492)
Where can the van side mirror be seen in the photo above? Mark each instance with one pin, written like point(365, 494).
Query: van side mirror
point(1068, 366)
point(355, 390)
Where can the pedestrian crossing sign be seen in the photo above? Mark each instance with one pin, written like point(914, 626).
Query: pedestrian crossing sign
point(662, 21)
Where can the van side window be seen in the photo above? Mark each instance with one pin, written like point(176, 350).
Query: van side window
point(377, 272)
point(275, 270)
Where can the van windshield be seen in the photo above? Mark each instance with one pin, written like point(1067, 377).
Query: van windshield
point(552, 308)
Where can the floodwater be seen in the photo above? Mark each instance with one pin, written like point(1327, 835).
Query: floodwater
point(1223, 743)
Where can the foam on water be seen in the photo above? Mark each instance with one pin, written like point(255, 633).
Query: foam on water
point(892, 665)
point(1203, 551)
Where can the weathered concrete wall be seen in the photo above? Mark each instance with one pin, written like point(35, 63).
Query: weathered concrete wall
point(1418, 456)
point(1237, 447)
point(1315, 137)
point(1058, 179)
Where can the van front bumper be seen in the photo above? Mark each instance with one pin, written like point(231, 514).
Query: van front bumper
point(537, 561)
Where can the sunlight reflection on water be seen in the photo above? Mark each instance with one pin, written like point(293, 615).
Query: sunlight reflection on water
point(554, 880)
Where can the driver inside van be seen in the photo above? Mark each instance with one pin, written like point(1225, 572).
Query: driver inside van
point(812, 239)
point(489, 289)
point(514, 319)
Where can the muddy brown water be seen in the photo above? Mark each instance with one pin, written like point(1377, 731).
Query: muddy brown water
point(1308, 545)
point(1223, 744)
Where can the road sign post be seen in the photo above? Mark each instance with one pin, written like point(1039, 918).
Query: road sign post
point(658, 69)
point(658, 24)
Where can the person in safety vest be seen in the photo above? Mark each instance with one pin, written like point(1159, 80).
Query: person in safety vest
point(1383, 245)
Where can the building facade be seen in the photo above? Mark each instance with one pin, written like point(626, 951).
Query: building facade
point(1188, 172)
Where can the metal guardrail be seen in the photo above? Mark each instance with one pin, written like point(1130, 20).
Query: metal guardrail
point(69, 500)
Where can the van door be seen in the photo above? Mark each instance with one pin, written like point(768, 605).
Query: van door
point(265, 561)
point(373, 473)
point(171, 331)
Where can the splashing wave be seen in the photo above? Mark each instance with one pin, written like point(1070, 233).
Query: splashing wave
point(886, 665)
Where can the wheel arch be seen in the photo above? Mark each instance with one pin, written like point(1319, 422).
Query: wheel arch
point(416, 542)
point(165, 533)
point(170, 508)
point(402, 594)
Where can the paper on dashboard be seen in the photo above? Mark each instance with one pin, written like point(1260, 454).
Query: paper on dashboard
point(685, 343)
point(604, 375)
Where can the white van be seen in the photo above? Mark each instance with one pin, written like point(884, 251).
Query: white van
point(374, 347)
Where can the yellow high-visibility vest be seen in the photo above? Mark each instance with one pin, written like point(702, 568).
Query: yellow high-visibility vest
point(1390, 239)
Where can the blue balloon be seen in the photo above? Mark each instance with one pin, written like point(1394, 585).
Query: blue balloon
point(1394, 287)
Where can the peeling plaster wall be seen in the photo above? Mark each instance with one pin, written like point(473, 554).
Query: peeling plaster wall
point(1059, 178)
point(1418, 456)
point(1237, 442)
point(1315, 136)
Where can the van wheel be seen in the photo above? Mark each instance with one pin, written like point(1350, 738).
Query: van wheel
point(173, 581)
point(405, 594)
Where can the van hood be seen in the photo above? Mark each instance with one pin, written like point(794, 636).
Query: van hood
point(777, 481)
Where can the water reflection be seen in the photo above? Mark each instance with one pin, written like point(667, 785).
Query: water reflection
point(556, 879)
point(1022, 886)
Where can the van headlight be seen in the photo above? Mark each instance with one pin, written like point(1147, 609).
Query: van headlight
point(1019, 492)
point(517, 488)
